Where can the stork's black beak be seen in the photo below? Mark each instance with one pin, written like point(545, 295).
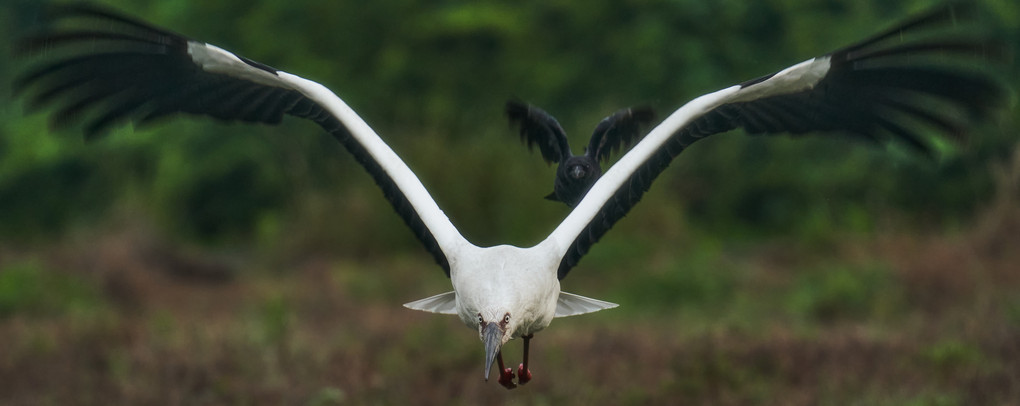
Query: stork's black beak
point(493, 337)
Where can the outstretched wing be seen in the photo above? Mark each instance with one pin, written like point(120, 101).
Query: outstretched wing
point(538, 127)
point(872, 90)
point(104, 68)
point(618, 131)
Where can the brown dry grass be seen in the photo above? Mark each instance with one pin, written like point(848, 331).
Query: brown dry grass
point(332, 332)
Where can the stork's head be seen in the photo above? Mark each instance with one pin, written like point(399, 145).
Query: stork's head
point(495, 328)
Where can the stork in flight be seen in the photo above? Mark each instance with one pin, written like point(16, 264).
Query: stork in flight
point(115, 69)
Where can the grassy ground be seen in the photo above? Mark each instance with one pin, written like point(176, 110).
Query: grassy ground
point(123, 318)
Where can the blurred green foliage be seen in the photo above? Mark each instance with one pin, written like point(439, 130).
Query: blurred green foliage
point(26, 289)
point(844, 292)
point(701, 281)
point(432, 77)
point(950, 355)
point(274, 320)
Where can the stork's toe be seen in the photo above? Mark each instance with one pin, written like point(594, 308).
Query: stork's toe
point(506, 378)
point(524, 375)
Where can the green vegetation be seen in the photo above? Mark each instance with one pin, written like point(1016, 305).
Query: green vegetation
point(28, 290)
point(201, 262)
point(833, 294)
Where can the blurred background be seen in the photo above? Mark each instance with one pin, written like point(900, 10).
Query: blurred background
point(203, 262)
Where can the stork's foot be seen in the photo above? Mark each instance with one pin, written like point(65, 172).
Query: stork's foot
point(524, 374)
point(506, 378)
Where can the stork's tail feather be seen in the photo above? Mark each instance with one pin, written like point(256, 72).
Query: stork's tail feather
point(570, 304)
point(444, 303)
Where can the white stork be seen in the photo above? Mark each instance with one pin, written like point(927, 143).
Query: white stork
point(121, 69)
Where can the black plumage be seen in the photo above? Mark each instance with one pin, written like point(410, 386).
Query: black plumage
point(575, 174)
point(103, 68)
point(890, 87)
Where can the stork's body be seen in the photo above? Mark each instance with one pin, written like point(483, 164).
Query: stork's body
point(126, 69)
point(507, 279)
point(505, 292)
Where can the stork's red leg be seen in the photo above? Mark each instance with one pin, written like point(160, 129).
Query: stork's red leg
point(523, 372)
point(506, 375)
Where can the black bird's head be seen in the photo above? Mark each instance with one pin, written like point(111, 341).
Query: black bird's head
point(579, 169)
point(574, 177)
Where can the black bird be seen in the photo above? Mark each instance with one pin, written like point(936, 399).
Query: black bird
point(107, 68)
point(575, 174)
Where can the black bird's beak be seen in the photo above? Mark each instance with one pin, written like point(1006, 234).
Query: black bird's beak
point(577, 172)
point(493, 337)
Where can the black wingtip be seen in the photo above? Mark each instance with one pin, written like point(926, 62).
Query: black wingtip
point(951, 13)
point(620, 130)
point(86, 10)
point(515, 111)
point(69, 23)
point(538, 127)
point(643, 114)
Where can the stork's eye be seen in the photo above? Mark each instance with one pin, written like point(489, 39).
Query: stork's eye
point(480, 319)
point(506, 319)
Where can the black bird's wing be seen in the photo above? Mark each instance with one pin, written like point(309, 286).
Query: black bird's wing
point(872, 90)
point(101, 68)
point(538, 127)
point(618, 131)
